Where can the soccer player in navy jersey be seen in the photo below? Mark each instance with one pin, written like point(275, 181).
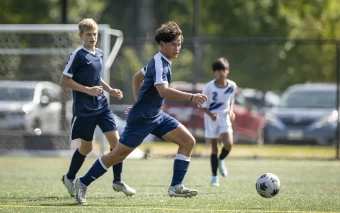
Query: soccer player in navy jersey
point(90, 106)
point(150, 87)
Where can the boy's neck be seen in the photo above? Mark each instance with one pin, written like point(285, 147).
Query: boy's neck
point(170, 59)
point(221, 82)
point(89, 49)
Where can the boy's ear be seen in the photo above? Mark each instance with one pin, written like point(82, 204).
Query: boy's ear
point(161, 43)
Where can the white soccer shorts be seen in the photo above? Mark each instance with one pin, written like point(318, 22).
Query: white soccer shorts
point(213, 129)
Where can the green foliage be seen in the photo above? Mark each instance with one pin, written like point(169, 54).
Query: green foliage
point(262, 66)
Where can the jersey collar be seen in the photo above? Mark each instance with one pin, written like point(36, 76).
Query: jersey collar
point(220, 86)
point(165, 58)
point(93, 53)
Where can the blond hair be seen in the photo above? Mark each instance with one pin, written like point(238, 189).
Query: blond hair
point(168, 32)
point(87, 24)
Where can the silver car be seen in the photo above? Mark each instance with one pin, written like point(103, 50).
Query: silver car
point(306, 115)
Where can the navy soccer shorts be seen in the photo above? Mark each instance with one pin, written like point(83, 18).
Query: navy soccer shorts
point(134, 134)
point(83, 127)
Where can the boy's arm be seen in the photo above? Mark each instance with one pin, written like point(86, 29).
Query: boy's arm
point(106, 87)
point(206, 110)
point(70, 83)
point(137, 82)
point(231, 109)
point(113, 92)
point(173, 94)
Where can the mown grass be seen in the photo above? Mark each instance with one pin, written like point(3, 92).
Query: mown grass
point(32, 184)
point(252, 151)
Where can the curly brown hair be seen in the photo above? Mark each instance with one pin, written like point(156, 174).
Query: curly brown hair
point(168, 32)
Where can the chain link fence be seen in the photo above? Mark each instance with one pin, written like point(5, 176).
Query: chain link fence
point(261, 64)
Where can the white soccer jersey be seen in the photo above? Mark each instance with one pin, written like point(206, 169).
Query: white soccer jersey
point(219, 100)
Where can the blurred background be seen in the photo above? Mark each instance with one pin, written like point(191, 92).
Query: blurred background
point(284, 57)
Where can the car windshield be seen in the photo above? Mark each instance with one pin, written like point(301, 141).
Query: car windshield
point(309, 99)
point(16, 94)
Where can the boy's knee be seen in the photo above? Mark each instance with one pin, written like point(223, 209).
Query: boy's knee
point(85, 149)
point(190, 144)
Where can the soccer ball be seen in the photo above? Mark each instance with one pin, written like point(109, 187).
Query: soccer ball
point(268, 185)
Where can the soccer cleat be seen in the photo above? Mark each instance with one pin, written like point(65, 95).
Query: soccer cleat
point(69, 185)
point(222, 168)
point(214, 181)
point(80, 190)
point(120, 186)
point(180, 191)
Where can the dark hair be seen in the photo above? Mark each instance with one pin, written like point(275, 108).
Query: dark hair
point(168, 32)
point(220, 64)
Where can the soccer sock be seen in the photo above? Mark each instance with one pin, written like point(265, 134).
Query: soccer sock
point(97, 170)
point(181, 165)
point(117, 171)
point(224, 153)
point(76, 162)
point(214, 164)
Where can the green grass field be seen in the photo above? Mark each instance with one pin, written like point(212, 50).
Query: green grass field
point(32, 184)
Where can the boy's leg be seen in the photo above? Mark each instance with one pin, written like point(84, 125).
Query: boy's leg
point(81, 128)
point(211, 131)
point(78, 158)
point(227, 138)
point(214, 162)
point(171, 130)
point(118, 185)
point(132, 137)
point(99, 168)
point(107, 123)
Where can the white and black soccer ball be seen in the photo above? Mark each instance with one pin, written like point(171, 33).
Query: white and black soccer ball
point(268, 185)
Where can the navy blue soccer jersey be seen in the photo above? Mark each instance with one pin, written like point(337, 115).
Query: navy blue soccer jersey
point(84, 67)
point(148, 107)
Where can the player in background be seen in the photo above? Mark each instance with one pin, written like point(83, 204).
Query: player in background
point(218, 116)
point(150, 88)
point(90, 106)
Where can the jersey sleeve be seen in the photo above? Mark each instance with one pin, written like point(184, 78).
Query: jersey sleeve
point(143, 70)
point(71, 65)
point(206, 92)
point(160, 76)
point(234, 93)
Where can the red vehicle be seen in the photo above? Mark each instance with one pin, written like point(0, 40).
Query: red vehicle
point(247, 126)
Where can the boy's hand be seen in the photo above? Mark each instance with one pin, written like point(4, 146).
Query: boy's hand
point(232, 116)
point(214, 116)
point(116, 93)
point(94, 91)
point(127, 111)
point(199, 98)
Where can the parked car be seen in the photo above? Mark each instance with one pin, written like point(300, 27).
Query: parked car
point(27, 105)
point(247, 125)
point(263, 100)
point(306, 114)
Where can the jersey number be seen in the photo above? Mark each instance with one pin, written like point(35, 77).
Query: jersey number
point(214, 96)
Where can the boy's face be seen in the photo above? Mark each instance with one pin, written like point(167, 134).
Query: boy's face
point(171, 49)
point(89, 37)
point(221, 74)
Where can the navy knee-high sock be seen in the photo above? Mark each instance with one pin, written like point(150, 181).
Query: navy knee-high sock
point(117, 171)
point(76, 162)
point(97, 170)
point(181, 166)
point(224, 153)
point(214, 164)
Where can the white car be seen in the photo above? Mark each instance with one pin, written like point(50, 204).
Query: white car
point(28, 105)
